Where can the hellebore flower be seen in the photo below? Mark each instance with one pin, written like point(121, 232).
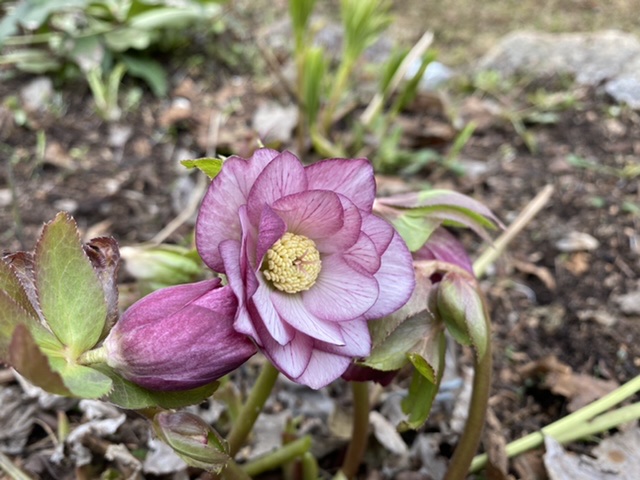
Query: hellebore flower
point(308, 261)
point(178, 338)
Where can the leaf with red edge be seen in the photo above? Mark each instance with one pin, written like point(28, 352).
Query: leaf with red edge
point(16, 280)
point(104, 254)
point(27, 358)
point(69, 291)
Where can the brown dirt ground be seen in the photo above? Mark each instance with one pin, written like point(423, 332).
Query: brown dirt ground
point(544, 302)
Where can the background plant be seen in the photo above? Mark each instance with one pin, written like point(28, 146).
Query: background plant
point(101, 39)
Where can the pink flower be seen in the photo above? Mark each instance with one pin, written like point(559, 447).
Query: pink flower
point(179, 338)
point(308, 261)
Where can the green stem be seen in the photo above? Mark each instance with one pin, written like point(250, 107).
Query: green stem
point(338, 88)
point(360, 430)
point(97, 355)
point(275, 459)
point(309, 467)
point(566, 428)
point(252, 408)
point(470, 438)
point(233, 472)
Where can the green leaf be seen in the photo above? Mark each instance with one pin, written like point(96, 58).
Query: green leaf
point(150, 71)
point(422, 392)
point(128, 395)
point(209, 166)
point(13, 314)
point(70, 293)
point(30, 362)
point(83, 381)
point(123, 39)
point(11, 285)
point(415, 227)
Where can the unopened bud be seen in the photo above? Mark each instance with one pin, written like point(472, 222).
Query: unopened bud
point(179, 338)
point(192, 439)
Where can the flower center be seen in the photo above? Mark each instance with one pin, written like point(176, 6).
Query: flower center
point(292, 264)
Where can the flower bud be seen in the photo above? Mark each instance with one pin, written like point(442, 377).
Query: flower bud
point(193, 440)
point(460, 306)
point(362, 373)
point(178, 338)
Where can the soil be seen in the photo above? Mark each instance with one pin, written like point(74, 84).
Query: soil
point(545, 302)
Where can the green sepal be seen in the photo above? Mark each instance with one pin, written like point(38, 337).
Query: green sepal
point(130, 396)
point(209, 166)
point(422, 392)
point(70, 293)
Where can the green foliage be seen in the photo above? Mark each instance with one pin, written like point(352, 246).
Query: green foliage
point(209, 166)
point(98, 36)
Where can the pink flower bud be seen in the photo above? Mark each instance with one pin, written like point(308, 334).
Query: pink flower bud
point(179, 338)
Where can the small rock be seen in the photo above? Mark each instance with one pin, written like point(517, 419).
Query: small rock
point(5, 197)
point(577, 241)
point(602, 317)
point(36, 94)
point(629, 303)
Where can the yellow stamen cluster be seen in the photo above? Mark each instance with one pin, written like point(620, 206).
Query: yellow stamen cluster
point(292, 264)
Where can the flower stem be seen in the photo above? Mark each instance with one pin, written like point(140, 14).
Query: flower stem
point(581, 423)
point(252, 408)
point(470, 438)
point(273, 460)
point(97, 355)
point(233, 472)
point(360, 430)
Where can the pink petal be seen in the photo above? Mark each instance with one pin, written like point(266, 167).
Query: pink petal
point(357, 340)
point(340, 292)
point(442, 245)
point(271, 229)
point(396, 279)
point(283, 176)
point(277, 329)
point(323, 368)
point(315, 214)
point(348, 235)
point(230, 253)
point(293, 311)
point(243, 324)
point(363, 255)
point(291, 359)
point(353, 178)
point(379, 231)
point(218, 214)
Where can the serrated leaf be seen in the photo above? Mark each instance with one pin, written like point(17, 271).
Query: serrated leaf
point(130, 396)
point(30, 362)
point(71, 296)
point(11, 284)
point(209, 166)
point(104, 255)
point(11, 315)
point(422, 392)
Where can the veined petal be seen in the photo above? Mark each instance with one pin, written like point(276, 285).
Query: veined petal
point(340, 292)
point(291, 359)
point(363, 254)
point(280, 331)
point(348, 235)
point(243, 324)
point(230, 253)
point(315, 214)
point(352, 178)
point(442, 245)
point(283, 176)
point(218, 214)
point(322, 369)
point(293, 311)
point(356, 337)
point(396, 279)
point(271, 228)
point(379, 231)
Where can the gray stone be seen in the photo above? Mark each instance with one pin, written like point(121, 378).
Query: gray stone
point(607, 57)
